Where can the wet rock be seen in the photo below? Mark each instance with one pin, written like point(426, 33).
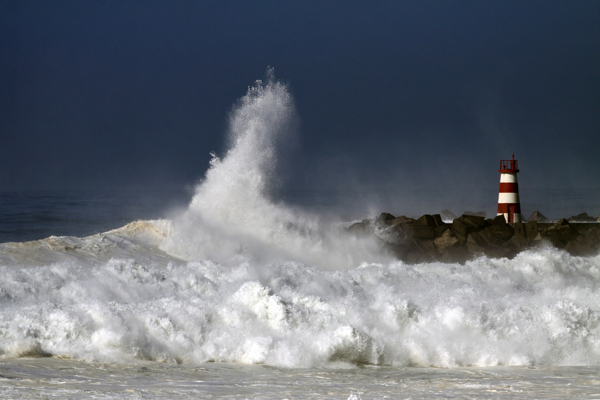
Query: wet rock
point(447, 239)
point(561, 233)
point(519, 229)
point(455, 254)
point(531, 230)
point(497, 234)
point(580, 247)
point(426, 220)
point(465, 225)
point(384, 218)
point(497, 220)
point(400, 220)
point(358, 229)
point(520, 242)
point(437, 218)
point(476, 239)
point(419, 231)
point(425, 247)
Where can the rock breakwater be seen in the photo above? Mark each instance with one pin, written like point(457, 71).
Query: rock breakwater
point(429, 238)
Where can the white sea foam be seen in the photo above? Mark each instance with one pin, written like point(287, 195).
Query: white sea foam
point(540, 308)
point(239, 277)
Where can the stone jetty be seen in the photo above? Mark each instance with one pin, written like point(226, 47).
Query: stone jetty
point(429, 238)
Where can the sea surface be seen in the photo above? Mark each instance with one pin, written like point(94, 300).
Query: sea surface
point(222, 292)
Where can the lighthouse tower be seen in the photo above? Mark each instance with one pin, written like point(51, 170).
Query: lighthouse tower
point(508, 199)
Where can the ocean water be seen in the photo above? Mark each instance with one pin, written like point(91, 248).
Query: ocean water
point(237, 295)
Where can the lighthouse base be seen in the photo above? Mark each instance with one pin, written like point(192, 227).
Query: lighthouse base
point(510, 211)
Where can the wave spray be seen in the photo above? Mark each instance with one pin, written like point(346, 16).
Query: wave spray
point(232, 216)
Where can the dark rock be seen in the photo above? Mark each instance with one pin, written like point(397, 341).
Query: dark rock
point(452, 254)
point(447, 239)
point(592, 236)
point(497, 234)
point(531, 230)
point(420, 231)
point(463, 227)
point(476, 239)
point(441, 229)
point(580, 248)
point(425, 247)
point(358, 229)
point(561, 233)
point(497, 220)
point(385, 217)
point(537, 217)
point(519, 241)
point(476, 220)
point(396, 250)
point(447, 215)
point(438, 220)
point(400, 220)
point(426, 220)
point(519, 229)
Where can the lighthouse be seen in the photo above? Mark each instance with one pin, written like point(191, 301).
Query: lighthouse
point(508, 199)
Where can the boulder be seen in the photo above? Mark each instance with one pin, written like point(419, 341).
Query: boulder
point(419, 231)
point(447, 239)
point(398, 251)
point(400, 220)
point(520, 242)
point(581, 246)
point(438, 220)
point(463, 226)
point(441, 229)
point(358, 229)
point(497, 234)
point(497, 220)
point(531, 230)
point(476, 244)
point(519, 229)
point(426, 220)
point(592, 235)
point(561, 233)
point(476, 220)
point(452, 254)
point(384, 218)
point(476, 239)
point(425, 247)
point(537, 216)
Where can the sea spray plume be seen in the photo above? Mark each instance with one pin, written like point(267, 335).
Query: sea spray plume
point(231, 217)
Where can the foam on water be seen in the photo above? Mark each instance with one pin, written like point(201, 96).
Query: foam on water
point(539, 308)
point(239, 277)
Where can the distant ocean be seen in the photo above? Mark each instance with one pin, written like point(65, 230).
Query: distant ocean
point(224, 293)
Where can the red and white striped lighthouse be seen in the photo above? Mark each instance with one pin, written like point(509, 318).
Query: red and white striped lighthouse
point(508, 199)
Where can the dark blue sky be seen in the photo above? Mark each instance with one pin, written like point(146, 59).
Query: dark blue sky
point(390, 94)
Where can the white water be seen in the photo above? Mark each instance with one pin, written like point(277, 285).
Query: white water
point(238, 277)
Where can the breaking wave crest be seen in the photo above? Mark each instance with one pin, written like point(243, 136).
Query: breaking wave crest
point(539, 308)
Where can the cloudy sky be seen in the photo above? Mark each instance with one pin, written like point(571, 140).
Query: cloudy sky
point(399, 98)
